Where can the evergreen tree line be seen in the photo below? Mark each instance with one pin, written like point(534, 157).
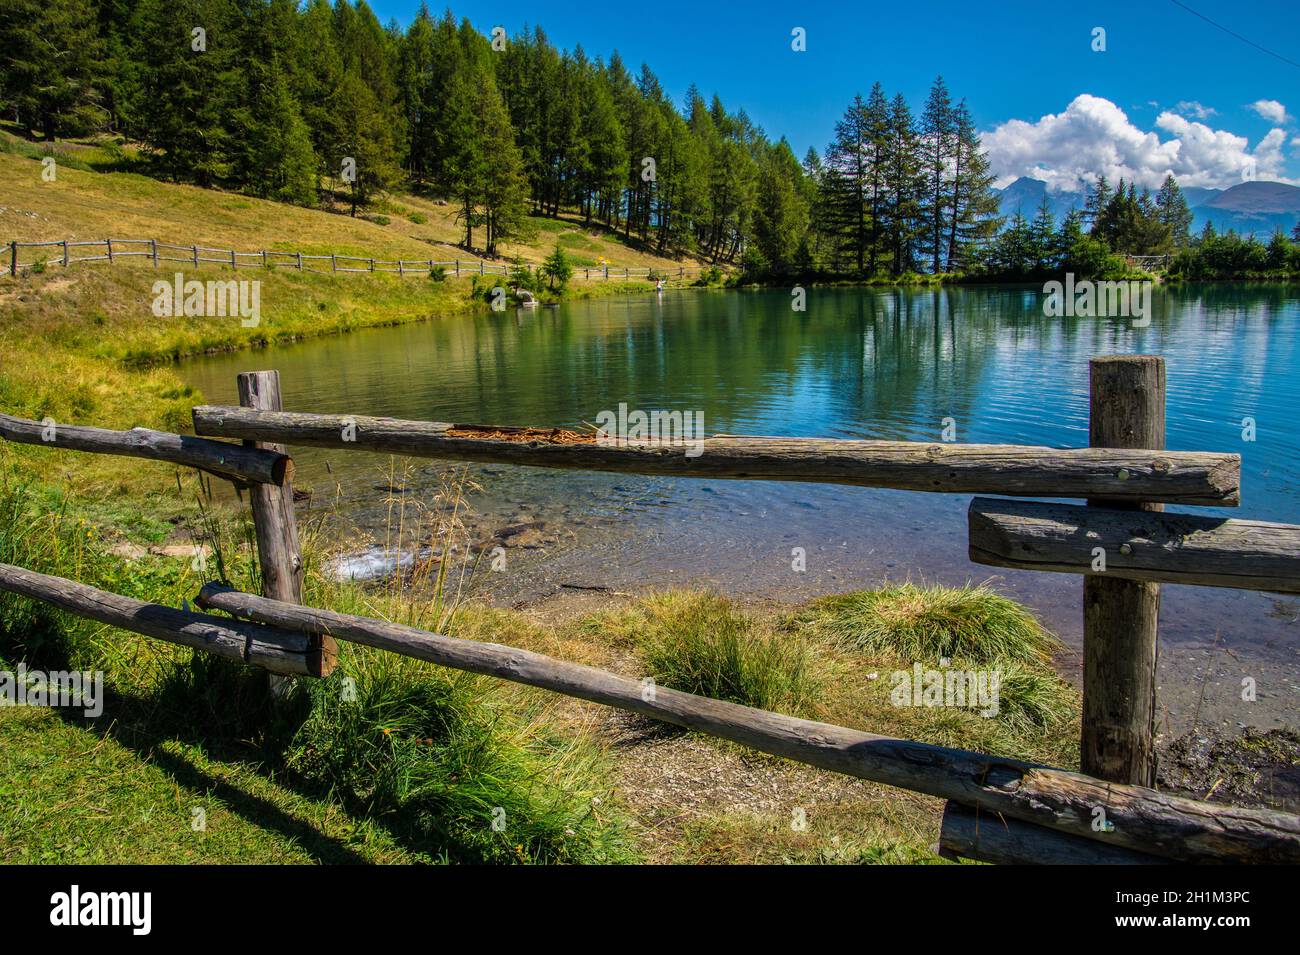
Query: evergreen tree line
point(294, 101)
point(897, 193)
point(299, 100)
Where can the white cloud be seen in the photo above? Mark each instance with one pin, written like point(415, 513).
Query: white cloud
point(1195, 109)
point(1094, 136)
point(1271, 110)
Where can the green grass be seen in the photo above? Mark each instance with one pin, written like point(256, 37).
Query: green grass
point(104, 795)
point(701, 643)
point(395, 759)
point(972, 628)
point(974, 624)
point(462, 779)
point(832, 835)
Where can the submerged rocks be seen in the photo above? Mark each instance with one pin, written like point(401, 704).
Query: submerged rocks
point(375, 563)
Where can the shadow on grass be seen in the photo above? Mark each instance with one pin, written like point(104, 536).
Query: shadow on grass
point(138, 725)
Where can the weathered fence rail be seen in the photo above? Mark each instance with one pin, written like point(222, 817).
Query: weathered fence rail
point(157, 251)
point(282, 652)
point(1136, 545)
point(999, 838)
point(1000, 810)
point(249, 466)
point(1187, 477)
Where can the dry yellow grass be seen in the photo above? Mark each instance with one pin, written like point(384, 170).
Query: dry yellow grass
point(88, 206)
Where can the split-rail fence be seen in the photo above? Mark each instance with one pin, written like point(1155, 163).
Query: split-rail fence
point(66, 252)
point(998, 809)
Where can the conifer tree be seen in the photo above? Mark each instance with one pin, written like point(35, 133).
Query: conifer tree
point(848, 183)
point(53, 66)
point(974, 211)
point(1174, 212)
point(905, 185)
point(781, 216)
point(938, 135)
point(189, 51)
point(1096, 200)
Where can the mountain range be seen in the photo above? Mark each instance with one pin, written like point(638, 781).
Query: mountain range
point(1257, 208)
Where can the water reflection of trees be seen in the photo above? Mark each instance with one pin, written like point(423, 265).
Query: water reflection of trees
point(885, 363)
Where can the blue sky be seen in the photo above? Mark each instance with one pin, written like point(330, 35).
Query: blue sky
point(1164, 72)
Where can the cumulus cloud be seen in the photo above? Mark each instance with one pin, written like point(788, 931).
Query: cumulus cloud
point(1271, 110)
point(1194, 109)
point(1094, 136)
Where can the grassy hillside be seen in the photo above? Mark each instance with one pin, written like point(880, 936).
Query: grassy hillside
point(86, 205)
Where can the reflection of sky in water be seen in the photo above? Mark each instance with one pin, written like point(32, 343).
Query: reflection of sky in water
point(883, 364)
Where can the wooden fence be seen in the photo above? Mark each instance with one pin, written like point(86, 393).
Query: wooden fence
point(1148, 263)
point(998, 810)
point(113, 250)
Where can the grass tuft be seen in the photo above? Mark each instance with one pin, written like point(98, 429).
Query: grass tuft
point(701, 643)
point(422, 750)
point(974, 624)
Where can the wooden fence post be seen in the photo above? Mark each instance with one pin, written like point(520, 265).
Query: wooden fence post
point(153, 251)
point(458, 268)
point(196, 256)
point(109, 244)
point(1127, 410)
point(66, 261)
point(334, 262)
point(234, 263)
point(13, 258)
point(299, 254)
point(274, 523)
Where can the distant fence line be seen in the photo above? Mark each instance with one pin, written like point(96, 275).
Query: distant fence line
point(156, 251)
point(1148, 263)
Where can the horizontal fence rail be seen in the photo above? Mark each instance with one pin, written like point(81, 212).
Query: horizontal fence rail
point(279, 651)
point(1136, 545)
point(1186, 477)
point(157, 252)
point(1005, 840)
point(1139, 818)
point(232, 461)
